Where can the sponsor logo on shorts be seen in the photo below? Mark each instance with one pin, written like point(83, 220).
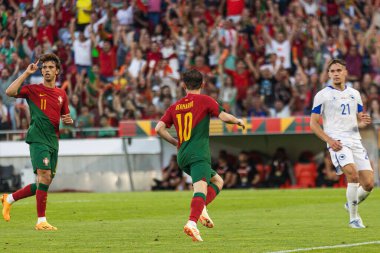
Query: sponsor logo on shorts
point(342, 156)
point(46, 161)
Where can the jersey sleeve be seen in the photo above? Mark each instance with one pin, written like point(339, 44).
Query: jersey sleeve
point(359, 101)
point(318, 103)
point(23, 92)
point(65, 105)
point(214, 107)
point(167, 118)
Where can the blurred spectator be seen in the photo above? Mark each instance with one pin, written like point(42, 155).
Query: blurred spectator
point(85, 120)
point(326, 172)
point(125, 14)
point(279, 110)
point(255, 107)
point(310, 6)
point(154, 12)
point(4, 122)
point(22, 114)
point(235, 9)
point(241, 77)
point(137, 66)
point(84, 8)
point(107, 130)
point(247, 175)
point(227, 172)
point(6, 79)
point(228, 94)
point(107, 61)
point(172, 177)
point(266, 84)
point(374, 110)
point(281, 172)
point(82, 49)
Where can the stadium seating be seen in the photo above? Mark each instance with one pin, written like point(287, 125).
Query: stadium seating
point(306, 174)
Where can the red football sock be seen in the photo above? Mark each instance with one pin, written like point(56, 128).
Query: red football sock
point(212, 192)
point(25, 192)
point(197, 205)
point(41, 197)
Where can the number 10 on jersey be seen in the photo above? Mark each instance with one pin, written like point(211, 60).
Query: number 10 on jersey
point(185, 123)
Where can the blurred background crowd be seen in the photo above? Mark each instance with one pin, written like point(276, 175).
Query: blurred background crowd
point(122, 59)
point(252, 169)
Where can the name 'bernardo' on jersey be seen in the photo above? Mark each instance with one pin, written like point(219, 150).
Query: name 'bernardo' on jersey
point(184, 106)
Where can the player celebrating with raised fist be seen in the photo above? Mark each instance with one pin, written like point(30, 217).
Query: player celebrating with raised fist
point(191, 118)
point(341, 107)
point(48, 105)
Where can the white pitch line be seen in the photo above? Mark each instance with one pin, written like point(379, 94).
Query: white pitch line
point(327, 247)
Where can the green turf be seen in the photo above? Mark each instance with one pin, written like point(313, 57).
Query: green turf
point(246, 221)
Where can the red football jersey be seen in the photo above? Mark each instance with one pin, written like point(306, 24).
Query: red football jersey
point(52, 102)
point(191, 118)
point(186, 114)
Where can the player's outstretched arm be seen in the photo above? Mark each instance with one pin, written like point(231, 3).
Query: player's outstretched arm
point(161, 131)
point(317, 129)
point(231, 119)
point(364, 120)
point(12, 90)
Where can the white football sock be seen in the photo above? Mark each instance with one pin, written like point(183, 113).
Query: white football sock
point(192, 223)
point(362, 194)
point(41, 219)
point(352, 200)
point(10, 199)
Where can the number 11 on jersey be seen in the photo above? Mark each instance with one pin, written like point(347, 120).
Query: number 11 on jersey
point(184, 130)
point(43, 104)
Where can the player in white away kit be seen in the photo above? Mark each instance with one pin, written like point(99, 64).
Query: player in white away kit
point(341, 107)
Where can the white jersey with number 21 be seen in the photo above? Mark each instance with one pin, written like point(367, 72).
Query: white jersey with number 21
point(339, 111)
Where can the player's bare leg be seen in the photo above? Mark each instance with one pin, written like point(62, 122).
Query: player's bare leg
point(216, 185)
point(352, 195)
point(366, 184)
point(44, 179)
point(197, 204)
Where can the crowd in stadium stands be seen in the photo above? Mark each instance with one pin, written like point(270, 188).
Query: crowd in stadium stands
point(122, 59)
point(256, 170)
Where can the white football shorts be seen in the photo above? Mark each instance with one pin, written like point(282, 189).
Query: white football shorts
point(352, 152)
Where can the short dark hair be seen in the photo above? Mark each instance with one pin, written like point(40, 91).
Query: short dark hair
point(193, 79)
point(336, 61)
point(51, 57)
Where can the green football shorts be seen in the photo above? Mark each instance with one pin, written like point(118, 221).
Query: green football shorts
point(200, 170)
point(43, 157)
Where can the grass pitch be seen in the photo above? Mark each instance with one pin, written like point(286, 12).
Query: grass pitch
point(245, 221)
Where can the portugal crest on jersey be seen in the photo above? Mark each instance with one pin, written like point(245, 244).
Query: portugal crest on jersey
point(60, 100)
point(46, 161)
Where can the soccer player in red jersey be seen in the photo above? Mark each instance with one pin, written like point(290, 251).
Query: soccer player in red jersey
point(191, 118)
point(48, 105)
